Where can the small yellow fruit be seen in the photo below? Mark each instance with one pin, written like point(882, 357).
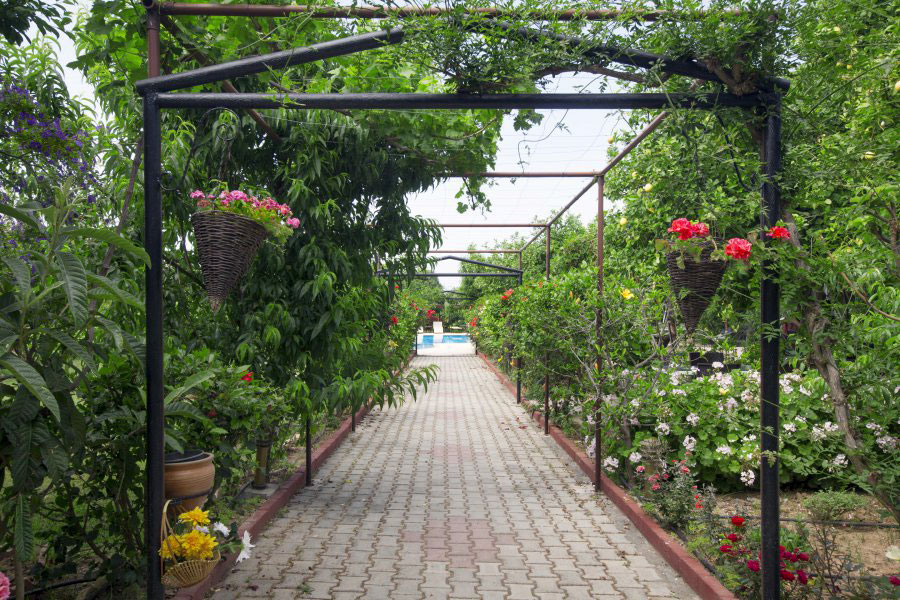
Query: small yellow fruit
point(634, 174)
point(849, 66)
point(897, 87)
point(623, 221)
point(611, 140)
point(836, 29)
point(869, 155)
point(648, 187)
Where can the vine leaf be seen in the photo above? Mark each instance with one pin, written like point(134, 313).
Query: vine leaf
point(75, 283)
point(32, 380)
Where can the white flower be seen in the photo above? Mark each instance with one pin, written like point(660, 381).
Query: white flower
point(689, 443)
point(610, 463)
point(748, 477)
point(723, 449)
point(830, 427)
point(693, 419)
point(750, 437)
point(679, 392)
point(221, 528)
point(747, 396)
point(801, 419)
point(718, 365)
point(731, 404)
point(634, 421)
point(635, 403)
point(817, 434)
point(695, 369)
point(805, 391)
point(663, 429)
point(874, 427)
point(589, 446)
point(635, 457)
point(887, 442)
point(790, 427)
point(661, 393)
point(246, 546)
point(201, 528)
point(839, 461)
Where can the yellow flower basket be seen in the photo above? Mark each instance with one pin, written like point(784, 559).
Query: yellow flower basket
point(188, 572)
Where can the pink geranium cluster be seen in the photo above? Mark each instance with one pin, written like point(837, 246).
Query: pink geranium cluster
point(277, 218)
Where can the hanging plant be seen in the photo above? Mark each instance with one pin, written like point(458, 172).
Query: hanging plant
point(229, 228)
point(694, 272)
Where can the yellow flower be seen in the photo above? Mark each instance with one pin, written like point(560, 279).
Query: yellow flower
point(171, 547)
point(627, 294)
point(197, 545)
point(195, 517)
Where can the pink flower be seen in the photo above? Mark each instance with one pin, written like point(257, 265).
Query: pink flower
point(779, 233)
point(738, 249)
point(4, 586)
point(640, 468)
point(700, 229)
point(197, 194)
point(293, 222)
point(655, 487)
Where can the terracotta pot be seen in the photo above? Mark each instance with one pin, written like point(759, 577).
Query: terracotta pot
point(189, 475)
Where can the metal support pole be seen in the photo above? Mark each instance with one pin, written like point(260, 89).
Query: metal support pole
point(769, 352)
point(546, 357)
point(519, 358)
point(601, 223)
point(154, 346)
point(153, 51)
point(309, 449)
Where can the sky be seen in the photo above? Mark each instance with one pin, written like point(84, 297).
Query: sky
point(567, 141)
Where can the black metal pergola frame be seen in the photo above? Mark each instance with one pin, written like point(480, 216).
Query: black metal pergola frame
point(157, 92)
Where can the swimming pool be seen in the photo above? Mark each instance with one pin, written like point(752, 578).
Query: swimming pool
point(428, 340)
point(444, 344)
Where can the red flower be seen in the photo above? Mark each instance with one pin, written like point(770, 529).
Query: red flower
point(894, 580)
point(738, 249)
point(685, 470)
point(699, 229)
point(682, 228)
point(787, 575)
point(738, 521)
point(777, 232)
point(803, 556)
point(725, 548)
point(212, 413)
point(655, 487)
point(753, 565)
point(699, 506)
point(802, 577)
point(248, 377)
point(394, 320)
point(733, 537)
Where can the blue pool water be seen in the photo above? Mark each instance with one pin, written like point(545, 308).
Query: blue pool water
point(448, 338)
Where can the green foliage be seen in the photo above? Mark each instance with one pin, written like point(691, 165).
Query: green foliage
point(832, 505)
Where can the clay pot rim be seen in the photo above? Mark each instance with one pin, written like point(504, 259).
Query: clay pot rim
point(191, 457)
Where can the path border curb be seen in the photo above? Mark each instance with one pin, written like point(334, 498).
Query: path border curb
point(257, 521)
point(683, 562)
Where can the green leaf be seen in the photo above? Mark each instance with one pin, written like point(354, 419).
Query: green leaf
point(188, 385)
point(22, 272)
point(123, 296)
point(75, 283)
point(72, 346)
point(32, 380)
point(24, 532)
point(109, 236)
point(20, 214)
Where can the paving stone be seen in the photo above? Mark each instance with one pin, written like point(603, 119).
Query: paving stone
point(456, 495)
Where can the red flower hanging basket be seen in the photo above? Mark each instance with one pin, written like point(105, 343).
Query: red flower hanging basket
point(695, 284)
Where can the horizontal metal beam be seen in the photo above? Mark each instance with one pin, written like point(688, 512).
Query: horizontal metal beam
point(467, 275)
point(515, 175)
point(266, 62)
point(492, 225)
point(473, 252)
point(377, 12)
point(396, 101)
point(479, 263)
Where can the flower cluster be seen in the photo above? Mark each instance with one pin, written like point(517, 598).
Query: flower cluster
point(686, 229)
point(276, 218)
point(738, 249)
point(4, 586)
point(507, 294)
point(199, 538)
point(735, 547)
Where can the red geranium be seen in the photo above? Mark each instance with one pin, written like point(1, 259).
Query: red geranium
point(738, 249)
point(700, 229)
point(738, 521)
point(803, 556)
point(787, 575)
point(725, 548)
point(394, 320)
point(682, 228)
point(248, 376)
point(733, 537)
point(753, 565)
point(777, 232)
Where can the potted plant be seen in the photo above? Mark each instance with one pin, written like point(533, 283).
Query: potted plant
point(192, 547)
point(189, 478)
point(228, 229)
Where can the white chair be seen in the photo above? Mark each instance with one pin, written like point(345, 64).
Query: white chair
point(438, 327)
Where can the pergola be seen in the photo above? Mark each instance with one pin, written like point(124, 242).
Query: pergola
point(157, 92)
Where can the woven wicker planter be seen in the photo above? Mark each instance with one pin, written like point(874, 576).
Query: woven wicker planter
point(226, 244)
point(699, 279)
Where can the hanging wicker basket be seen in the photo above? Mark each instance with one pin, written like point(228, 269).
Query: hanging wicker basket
point(226, 245)
point(185, 573)
point(695, 284)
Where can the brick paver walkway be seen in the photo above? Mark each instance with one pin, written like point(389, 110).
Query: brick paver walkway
point(456, 495)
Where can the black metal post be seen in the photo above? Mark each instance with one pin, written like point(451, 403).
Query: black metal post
point(154, 346)
point(769, 351)
point(352, 420)
point(519, 358)
point(601, 225)
point(309, 449)
point(546, 356)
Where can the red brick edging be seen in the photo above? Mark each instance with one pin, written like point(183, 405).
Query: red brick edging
point(684, 563)
point(268, 509)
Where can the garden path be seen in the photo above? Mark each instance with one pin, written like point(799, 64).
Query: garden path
point(456, 495)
